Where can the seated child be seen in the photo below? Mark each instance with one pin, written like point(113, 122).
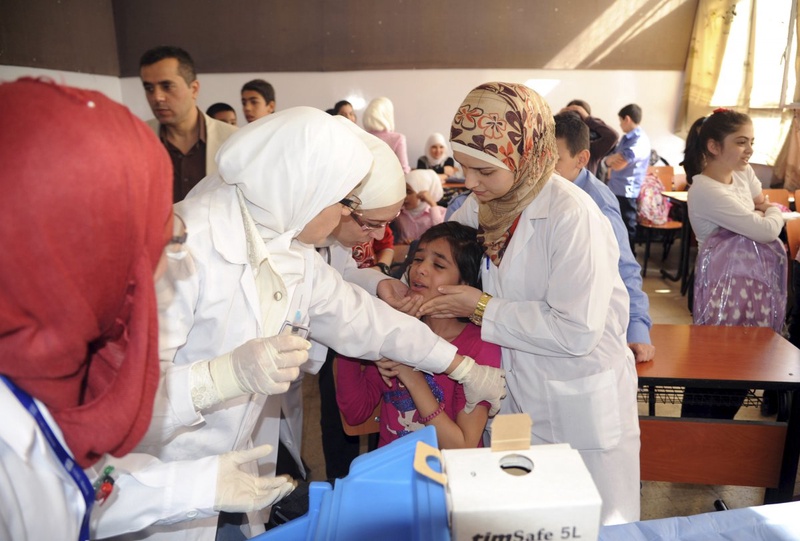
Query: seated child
point(436, 157)
point(448, 254)
point(420, 211)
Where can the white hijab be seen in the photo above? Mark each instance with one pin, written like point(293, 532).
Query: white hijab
point(436, 139)
point(379, 115)
point(425, 180)
point(385, 183)
point(286, 168)
point(291, 165)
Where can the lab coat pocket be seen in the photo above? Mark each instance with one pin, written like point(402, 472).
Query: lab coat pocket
point(585, 411)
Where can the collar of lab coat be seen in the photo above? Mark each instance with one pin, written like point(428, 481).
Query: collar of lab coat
point(537, 209)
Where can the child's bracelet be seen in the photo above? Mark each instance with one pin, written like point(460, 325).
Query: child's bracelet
point(432, 416)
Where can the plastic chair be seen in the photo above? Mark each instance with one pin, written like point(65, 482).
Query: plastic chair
point(778, 195)
point(668, 230)
point(666, 173)
point(679, 183)
point(370, 426)
point(793, 237)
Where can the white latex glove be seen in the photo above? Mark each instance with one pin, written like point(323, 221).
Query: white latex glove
point(240, 492)
point(261, 365)
point(480, 383)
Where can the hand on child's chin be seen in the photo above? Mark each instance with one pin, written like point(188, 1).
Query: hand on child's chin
point(410, 304)
point(452, 301)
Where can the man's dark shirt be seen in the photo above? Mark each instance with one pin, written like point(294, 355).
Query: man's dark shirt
point(187, 169)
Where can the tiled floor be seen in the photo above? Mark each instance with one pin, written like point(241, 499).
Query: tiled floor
point(658, 499)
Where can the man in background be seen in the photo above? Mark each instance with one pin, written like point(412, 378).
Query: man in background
point(191, 138)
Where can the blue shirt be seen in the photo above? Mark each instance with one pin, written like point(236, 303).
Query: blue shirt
point(634, 146)
point(455, 204)
point(639, 323)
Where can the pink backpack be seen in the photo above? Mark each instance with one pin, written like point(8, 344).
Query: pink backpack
point(652, 207)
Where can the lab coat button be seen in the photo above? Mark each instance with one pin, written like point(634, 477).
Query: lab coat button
point(278, 295)
point(191, 514)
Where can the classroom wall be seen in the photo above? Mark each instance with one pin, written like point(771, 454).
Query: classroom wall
point(68, 35)
point(107, 37)
point(423, 55)
point(348, 35)
point(425, 100)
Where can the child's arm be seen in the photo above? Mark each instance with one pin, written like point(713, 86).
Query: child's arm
point(357, 389)
point(616, 161)
point(465, 433)
point(473, 424)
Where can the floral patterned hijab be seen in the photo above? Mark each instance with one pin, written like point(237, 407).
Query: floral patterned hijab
point(511, 126)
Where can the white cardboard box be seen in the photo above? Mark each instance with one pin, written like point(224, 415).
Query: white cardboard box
point(555, 500)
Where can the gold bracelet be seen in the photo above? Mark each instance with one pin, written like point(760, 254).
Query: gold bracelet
point(477, 315)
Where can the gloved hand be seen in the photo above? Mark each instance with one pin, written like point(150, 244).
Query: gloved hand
point(240, 492)
point(262, 365)
point(480, 383)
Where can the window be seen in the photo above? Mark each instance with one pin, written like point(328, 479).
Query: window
point(763, 41)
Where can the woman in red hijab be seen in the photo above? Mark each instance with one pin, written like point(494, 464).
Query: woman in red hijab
point(85, 214)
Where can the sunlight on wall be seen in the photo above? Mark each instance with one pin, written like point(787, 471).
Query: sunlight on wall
point(622, 21)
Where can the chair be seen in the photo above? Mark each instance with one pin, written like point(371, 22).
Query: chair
point(679, 183)
point(665, 174)
point(370, 426)
point(778, 195)
point(793, 237)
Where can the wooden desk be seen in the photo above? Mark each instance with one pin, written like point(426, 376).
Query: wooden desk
point(457, 185)
point(722, 452)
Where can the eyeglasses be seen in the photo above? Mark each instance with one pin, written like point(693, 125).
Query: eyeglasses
point(370, 226)
point(352, 202)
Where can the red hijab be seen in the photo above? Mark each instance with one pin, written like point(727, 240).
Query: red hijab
point(85, 211)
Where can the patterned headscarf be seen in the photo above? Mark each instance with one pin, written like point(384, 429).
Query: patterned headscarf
point(85, 214)
point(511, 126)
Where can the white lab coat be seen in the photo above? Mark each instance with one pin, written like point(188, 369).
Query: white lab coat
point(560, 312)
point(291, 428)
point(38, 498)
point(210, 308)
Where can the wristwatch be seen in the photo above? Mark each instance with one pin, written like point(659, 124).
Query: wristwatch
point(384, 268)
point(480, 308)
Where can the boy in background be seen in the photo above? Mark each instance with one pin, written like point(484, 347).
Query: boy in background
point(628, 165)
point(572, 141)
point(258, 99)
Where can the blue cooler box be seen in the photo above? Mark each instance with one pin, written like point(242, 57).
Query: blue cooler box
point(383, 498)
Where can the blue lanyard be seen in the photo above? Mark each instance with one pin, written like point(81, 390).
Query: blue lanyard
point(66, 460)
